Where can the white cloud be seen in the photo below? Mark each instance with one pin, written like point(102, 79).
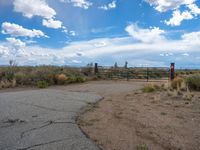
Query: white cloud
point(189, 11)
point(67, 32)
point(165, 5)
point(145, 35)
point(186, 54)
point(72, 33)
point(16, 42)
point(30, 8)
point(17, 30)
point(100, 44)
point(62, 1)
point(85, 4)
point(191, 38)
point(51, 23)
point(166, 54)
point(194, 9)
point(109, 50)
point(178, 17)
point(111, 5)
point(76, 61)
point(4, 51)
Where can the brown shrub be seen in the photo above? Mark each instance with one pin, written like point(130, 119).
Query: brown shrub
point(177, 83)
point(61, 79)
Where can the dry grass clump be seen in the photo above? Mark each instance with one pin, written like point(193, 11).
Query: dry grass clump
point(7, 84)
point(151, 88)
point(180, 88)
point(177, 83)
point(188, 96)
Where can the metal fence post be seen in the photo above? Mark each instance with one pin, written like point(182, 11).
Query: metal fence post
point(172, 72)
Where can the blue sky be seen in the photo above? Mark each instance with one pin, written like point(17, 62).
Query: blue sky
point(77, 32)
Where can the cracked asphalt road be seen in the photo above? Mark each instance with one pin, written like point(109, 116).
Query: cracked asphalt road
point(43, 120)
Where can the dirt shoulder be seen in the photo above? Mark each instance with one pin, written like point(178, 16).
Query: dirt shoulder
point(131, 120)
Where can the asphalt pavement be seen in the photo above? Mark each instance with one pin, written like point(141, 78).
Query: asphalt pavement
point(43, 120)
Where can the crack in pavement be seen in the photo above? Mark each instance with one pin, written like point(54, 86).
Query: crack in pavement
point(48, 123)
point(41, 144)
point(47, 120)
point(11, 122)
point(6, 126)
point(46, 108)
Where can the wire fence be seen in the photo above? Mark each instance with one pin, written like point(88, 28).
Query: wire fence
point(142, 73)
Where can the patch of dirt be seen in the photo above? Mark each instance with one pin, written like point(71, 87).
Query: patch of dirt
point(140, 121)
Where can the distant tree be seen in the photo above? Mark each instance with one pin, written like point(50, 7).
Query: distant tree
point(88, 70)
point(115, 65)
point(12, 63)
point(126, 65)
point(90, 64)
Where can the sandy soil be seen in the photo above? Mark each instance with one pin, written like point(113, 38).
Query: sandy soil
point(131, 120)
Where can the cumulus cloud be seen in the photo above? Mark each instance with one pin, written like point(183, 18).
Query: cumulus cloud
point(194, 9)
point(142, 52)
point(191, 38)
point(32, 8)
point(189, 11)
point(85, 4)
point(111, 5)
point(178, 17)
point(39, 8)
point(68, 32)
point(165, 5)
point(145, 35)
point(51, 23)
point(4, 51)
point(72, 33)
point(16, 42)
point(186, 54)
point(17, 30)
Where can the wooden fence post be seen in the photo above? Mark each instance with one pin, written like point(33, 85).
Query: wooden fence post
point(127, 75)
point(147, 74)
point(96, 68)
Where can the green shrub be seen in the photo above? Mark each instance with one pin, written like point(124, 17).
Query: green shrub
point(32, 75)
point(6, 74)
point(193, 82)
point(20, 78)
point(9, 75)
point(142, 147)
point(42, 84)
point(76, 79)
point(80, 79)
point(150, 88)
